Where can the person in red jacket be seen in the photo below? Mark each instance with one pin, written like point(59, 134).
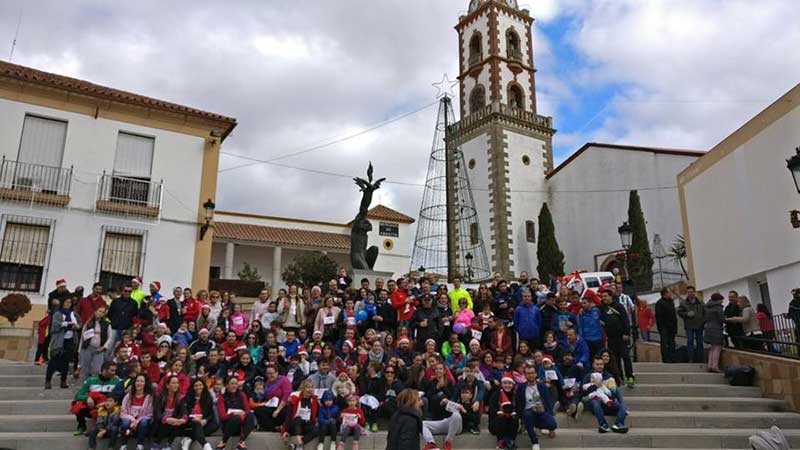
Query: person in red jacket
point(89, 304)
point(645, 319)
point(302, 417)
point(150, 368)
point(42, 340)
point(191, 306)
point(403, 302)
point(352, 422)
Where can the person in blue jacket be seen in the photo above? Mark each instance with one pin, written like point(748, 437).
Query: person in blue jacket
point(590, 327)
point(528, 320)
point(579, 349)
point(327, 419)
point(562, 321)
point(534, 407)
point(600, 410)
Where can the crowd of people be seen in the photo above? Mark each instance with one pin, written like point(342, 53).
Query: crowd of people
point(413, 356)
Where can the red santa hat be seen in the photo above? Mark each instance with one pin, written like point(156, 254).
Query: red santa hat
point(403, 339)
point(137, 280)
point(156, 284)
point(503, 399)
point(507, 376)
point(61, 282)
point(349, 343)
point(547, 358)
point(302, 351)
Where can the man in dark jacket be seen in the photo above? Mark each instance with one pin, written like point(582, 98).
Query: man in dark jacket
point(425, 322)
point(734, 329)
point(667, 324)
point(121, 313)
point(692, 311)
point(174, 305)
point(549, 311)
point(617, 326)
point(794, 312)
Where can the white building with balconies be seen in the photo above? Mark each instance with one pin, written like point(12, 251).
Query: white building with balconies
point(98, 184)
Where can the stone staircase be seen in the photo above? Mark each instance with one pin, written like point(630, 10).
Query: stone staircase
point(674, 406)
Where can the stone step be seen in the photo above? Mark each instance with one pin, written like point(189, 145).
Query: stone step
point(49, 407)
point(22, 369)
point(679, 419)
point(656, 367)
point(691, 390)
point(680, 378)
point(722, 404)
point(663, 438)
point(34, 380)
point(641, 419)
point(33, 393)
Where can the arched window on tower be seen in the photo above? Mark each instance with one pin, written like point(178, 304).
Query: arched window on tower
point(516, 98)
point(513, 46)
point(477, 99)
point(475, 49)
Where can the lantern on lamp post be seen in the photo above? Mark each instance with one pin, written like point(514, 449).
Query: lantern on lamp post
point(626, 237)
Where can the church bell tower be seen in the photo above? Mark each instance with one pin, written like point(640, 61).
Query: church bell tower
point(507, 146)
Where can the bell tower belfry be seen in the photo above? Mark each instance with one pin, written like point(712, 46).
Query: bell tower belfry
point(507, 146)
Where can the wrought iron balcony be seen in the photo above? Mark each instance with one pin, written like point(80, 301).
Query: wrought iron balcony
point(515, 54)
point(36, 183)
point(129, 196)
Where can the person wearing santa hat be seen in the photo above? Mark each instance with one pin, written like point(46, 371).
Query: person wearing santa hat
point(137, 293)
point(59, 293)
point(534, 407)
point(155, 291)
point(503, 420)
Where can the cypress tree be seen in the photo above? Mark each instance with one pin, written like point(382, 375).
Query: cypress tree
point(640, 261)
point(551, 259)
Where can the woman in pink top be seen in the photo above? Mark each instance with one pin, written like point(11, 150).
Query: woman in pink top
point(238, 320)
point(464, 314)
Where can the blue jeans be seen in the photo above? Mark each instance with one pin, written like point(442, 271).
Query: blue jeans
point(646, 335)
point(618, 408)
point(541, 420)
point(694, 345)
point(142, 430)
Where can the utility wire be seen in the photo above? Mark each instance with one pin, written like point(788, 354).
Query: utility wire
point(323, 145)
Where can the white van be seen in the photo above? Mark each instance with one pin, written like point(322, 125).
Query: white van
point(593, 280)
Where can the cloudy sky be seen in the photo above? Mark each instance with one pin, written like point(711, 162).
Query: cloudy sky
point(304, 74)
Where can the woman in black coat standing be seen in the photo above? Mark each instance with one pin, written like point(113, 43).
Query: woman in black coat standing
point(406, 424)
point(712, 330)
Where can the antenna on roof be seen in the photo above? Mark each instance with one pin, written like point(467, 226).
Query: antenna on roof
point(16, 34)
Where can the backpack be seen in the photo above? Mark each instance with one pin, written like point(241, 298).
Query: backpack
point(681, 355)
point(740, 375)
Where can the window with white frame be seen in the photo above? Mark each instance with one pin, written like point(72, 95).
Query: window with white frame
point(24, 253)
point(41, 153)
point(133, 164)
point(121, 256)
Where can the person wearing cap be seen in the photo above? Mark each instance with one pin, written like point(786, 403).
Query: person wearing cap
point(137, 293)
point(59, 293)
point(503, 420)
point(426, 324)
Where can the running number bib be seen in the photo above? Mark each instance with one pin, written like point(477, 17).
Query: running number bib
point(304, 413)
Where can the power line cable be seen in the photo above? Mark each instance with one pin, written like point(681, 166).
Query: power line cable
point(326, 144)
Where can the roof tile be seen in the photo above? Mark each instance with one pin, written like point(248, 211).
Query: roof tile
point(281, 236)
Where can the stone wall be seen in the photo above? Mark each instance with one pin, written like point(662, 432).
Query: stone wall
point(16, 343)
point(778, 378)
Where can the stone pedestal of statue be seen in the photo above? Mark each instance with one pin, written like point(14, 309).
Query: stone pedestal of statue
point(371, 275)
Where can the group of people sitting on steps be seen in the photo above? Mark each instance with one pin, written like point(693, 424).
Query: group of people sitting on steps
point(414, 356)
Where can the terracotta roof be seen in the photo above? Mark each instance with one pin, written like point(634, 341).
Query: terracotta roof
point(381, 212)
point(635, 148)
point(281, 236)
point(52, 80)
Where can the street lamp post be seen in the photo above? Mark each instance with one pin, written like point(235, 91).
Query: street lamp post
point(793, 164)
point(468, 257)
point(625, 236)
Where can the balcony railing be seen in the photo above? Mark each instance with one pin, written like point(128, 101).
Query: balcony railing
point(129, 196)
point(504, 110)
point(514, 54)
point(475, 58)
point(28, 182)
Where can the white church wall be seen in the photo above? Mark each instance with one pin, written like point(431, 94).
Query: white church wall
point(477, 149)
point(589, 200)
point(528, 192)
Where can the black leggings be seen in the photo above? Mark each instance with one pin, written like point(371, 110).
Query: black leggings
point(504, 427)
point(328, 428)
point(265, 420)
point(300, 427)
point(619, 351)
point(199, 432)
point(59, 362)
point(82, 415)
point(165, 432)
point(234, 425)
